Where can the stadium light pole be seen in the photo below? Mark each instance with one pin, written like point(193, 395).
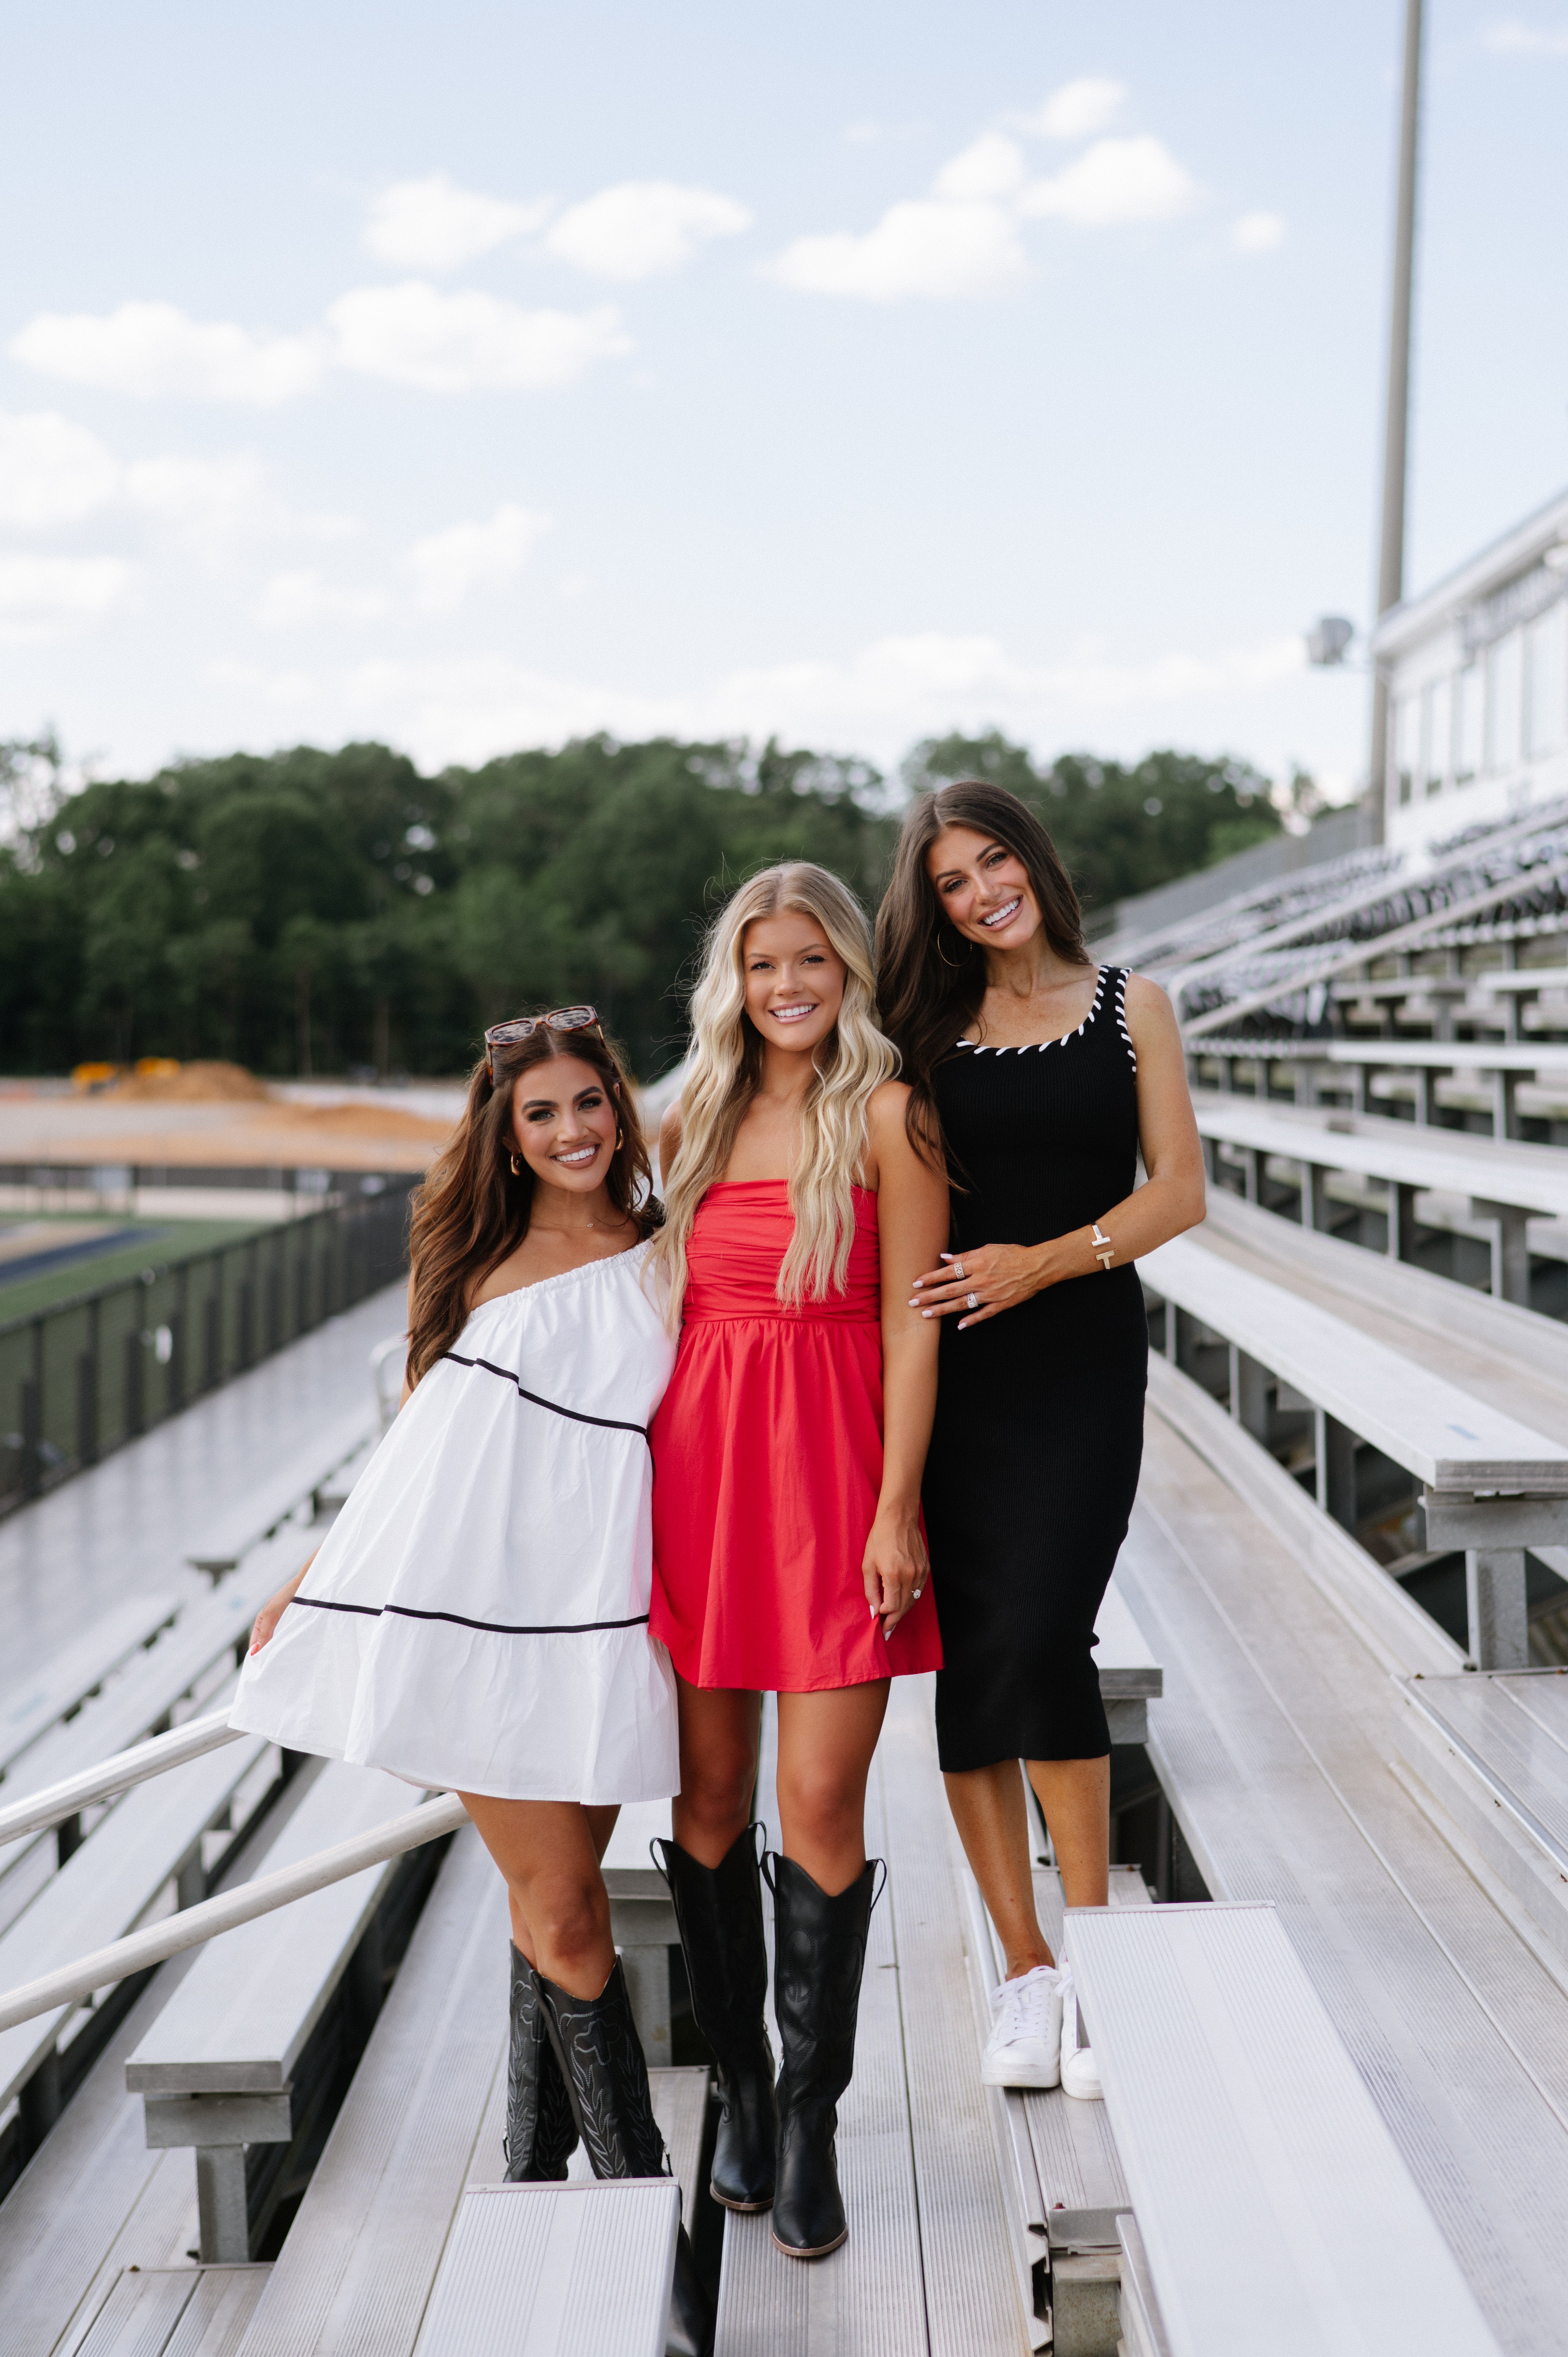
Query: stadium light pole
point(1396, 421)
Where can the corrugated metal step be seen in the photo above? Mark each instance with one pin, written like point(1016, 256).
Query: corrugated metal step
point(541, 2270)
point(1492, 1748)
point(1274, 2203)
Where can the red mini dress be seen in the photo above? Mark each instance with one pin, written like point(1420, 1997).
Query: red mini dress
point(768, 1464)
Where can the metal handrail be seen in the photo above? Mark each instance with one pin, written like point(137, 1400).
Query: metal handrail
point(70, 1984)
point(118, 1773)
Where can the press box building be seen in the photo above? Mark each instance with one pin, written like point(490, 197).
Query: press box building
point(1478, 674)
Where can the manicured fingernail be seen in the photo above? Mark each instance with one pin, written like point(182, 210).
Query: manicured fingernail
point(944, 1256)
point(925, 1313)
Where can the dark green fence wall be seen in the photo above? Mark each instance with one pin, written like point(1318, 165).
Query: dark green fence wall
point(79, 1377)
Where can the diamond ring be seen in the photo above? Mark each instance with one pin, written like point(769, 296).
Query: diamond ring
point(974, 1300)
point(958, 1270)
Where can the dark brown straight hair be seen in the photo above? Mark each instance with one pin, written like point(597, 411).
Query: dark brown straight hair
point(929, 978)
point(472, 1210)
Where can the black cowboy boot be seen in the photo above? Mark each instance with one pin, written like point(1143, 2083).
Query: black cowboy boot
point(540, 2134)
point(819, 1954)
point(606, 2072)
point(719, 1911)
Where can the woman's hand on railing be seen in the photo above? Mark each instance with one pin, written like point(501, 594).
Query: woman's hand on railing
point(273, 1610)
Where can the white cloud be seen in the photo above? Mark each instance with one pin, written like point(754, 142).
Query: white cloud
point(1513, 38)
point(469, 342)
point(41, 596)
point(446, 565)
point(470, 707)
point(209, 502)
point(939, 251)
point(1258, 233)
point(643, 228)
point(1077, 109)
point(433, 224)
point(990, 166)
point(152, 349)
point(297, 601)
point(1115, 181)
point(51, 472)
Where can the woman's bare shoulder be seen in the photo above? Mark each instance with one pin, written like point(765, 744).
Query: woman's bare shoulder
point(1149, 999)
point(885, 1107)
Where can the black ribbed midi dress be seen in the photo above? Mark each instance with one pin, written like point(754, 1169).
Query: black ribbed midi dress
point(1039, 1426)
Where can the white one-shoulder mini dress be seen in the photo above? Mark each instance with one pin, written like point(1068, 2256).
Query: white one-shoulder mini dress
point(477, 1618)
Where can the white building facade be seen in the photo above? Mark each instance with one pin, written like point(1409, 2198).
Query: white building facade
point(1478, 674)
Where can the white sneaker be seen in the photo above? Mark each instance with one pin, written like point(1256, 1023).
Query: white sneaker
point(1079, 2072)
point(1025, 2047)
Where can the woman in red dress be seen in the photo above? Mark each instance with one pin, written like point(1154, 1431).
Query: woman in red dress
point(787, 1548)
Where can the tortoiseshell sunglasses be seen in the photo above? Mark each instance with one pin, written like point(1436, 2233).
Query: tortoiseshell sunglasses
point(522, 1027)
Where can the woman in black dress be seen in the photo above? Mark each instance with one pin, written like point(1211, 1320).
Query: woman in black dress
point(1040, 1076)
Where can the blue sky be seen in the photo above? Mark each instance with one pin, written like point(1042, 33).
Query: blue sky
point(471, 377)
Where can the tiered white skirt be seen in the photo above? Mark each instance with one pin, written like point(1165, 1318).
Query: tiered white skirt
point(477, 1619)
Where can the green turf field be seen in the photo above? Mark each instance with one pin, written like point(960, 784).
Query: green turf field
point(158, 1244)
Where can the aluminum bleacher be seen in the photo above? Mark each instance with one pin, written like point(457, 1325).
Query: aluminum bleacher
point(1513, 1197)
point(1332, 1770)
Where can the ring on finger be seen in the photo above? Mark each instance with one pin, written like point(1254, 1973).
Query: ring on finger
point(958, 1270)
point(974, 1300)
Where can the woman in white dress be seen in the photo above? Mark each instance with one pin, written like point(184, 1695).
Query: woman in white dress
point(477, 1620)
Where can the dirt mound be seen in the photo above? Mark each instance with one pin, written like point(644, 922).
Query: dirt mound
point(363, 1120)
point(196, 1084)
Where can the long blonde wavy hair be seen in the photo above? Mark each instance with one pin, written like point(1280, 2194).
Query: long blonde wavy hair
point(726, 1068)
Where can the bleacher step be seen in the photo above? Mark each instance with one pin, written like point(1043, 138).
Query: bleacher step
point(1492, 1750)
point(544, 2270)
point(1233, 2097)
point(175, 2312)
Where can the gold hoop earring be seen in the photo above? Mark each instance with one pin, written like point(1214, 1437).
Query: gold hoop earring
point(620, 1141)
point(516, 1166)
point(955, 962)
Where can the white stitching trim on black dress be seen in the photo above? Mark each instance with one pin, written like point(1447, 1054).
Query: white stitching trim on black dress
point(1122, 1017)
point(1038, 1047)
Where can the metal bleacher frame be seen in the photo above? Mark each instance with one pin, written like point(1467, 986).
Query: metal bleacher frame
point(1335, 1771)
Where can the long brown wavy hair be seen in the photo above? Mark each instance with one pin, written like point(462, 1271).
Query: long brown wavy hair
point(472, 1211)
point(930, 978)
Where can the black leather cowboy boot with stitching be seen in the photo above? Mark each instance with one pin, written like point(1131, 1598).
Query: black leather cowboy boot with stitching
point(719, 1912)
point(606, 2072)
point(540, 2134)
point(819, 1956)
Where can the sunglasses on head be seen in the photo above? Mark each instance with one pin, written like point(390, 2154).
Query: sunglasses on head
point(522, 1027)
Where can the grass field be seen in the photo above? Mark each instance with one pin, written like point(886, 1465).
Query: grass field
point(159, 1245)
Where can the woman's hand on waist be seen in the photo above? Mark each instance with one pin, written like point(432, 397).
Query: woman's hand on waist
point(974, 1285)
point(978, 1285)
point(896, 1566)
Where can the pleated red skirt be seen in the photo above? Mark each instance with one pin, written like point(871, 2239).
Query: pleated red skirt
point(768, 1464)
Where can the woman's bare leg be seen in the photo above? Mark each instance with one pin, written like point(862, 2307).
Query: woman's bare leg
point(1075, 1796)
point(549, 1851)
point(720, 1730)
point(992, 1816)
point(825, 1743)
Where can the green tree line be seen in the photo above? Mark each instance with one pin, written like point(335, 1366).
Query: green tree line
point(310, 912)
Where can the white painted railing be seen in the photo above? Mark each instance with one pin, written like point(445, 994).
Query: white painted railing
point(70, 1984)
point(118, 1773)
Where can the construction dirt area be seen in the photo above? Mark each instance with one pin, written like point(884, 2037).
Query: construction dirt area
point(218, 1116)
